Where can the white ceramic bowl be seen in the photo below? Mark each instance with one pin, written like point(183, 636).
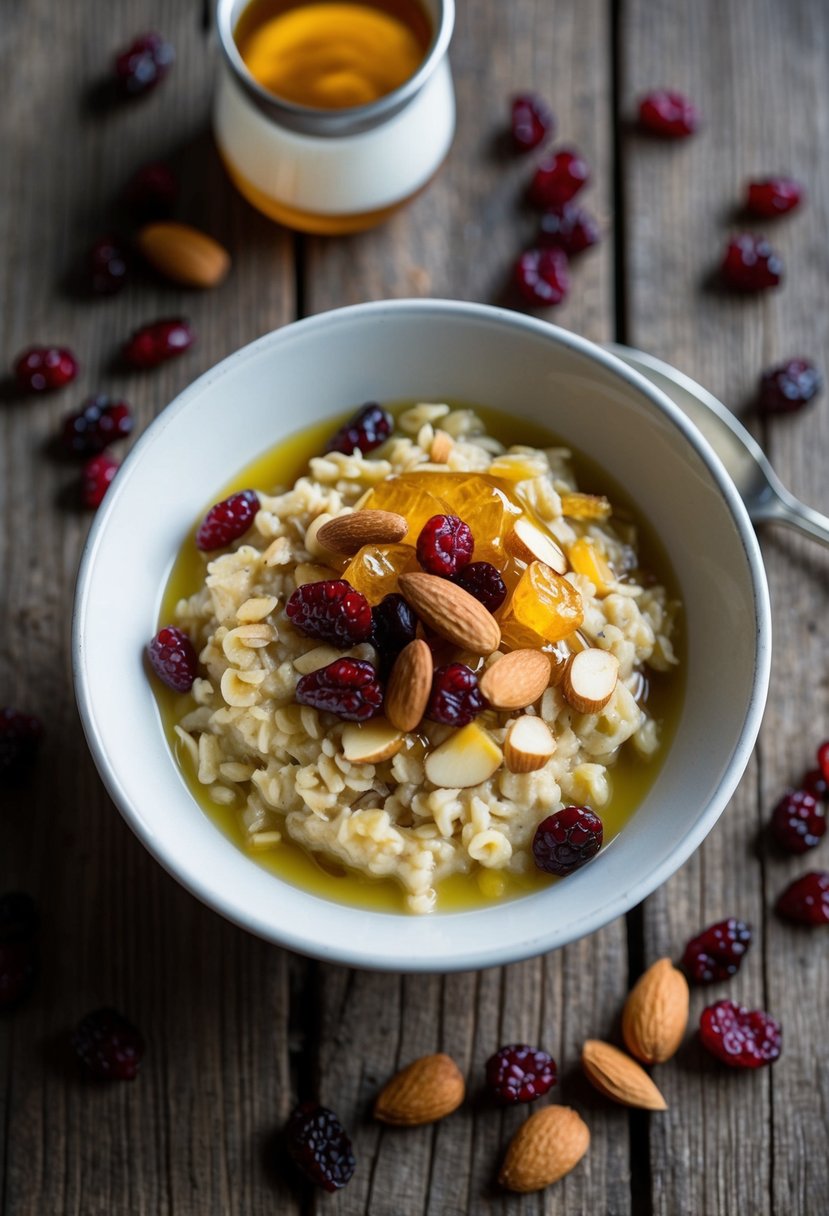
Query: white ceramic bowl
point(430, 350)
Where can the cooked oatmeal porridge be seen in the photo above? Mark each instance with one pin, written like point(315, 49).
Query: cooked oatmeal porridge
point(418, 652)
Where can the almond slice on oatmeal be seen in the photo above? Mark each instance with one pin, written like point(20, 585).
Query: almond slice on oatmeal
point(441, 448)
point(516, 680)
point(528, 543)
point(590, 680)
point(255, 609)
point(468, 757)
point(346, 534)
point(371, 742)
point(528, 744)
point(452, 612)
point(409, 685)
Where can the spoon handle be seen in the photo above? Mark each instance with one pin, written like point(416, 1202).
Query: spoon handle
point(783, 508)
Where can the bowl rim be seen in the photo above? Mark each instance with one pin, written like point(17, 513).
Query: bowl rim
point(355, 953)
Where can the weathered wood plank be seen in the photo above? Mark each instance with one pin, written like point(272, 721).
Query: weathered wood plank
point(460, 240)
point(189, 1135)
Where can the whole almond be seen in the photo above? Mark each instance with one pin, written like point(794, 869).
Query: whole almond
point(425, 1090)
point(619, 1077)
point(516, 680)
point(452, 612)
point(184, 254)
point(409, 685)
point(656, 1013)
point(545, 1148)
point(348, 533)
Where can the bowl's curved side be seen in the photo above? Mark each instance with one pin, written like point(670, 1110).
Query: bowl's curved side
point(432, 349)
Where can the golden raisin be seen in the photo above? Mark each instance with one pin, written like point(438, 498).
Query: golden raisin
point(585, 506)
point(544, 607)
point(587, 558)
point(373, 570)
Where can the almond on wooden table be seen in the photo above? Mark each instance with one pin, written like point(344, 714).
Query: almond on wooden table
point(656, 1013)
point(545, 1148)
point(409, 685)
point(526, 541)
point(425, 1090)
point(452, 612)
point(516, 680)
point(590, 679)
point(528, 744)
point(346, 534)
point(184, 254)
point(619, 1077)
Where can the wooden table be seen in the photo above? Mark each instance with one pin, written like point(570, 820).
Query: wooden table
point(239, 1029)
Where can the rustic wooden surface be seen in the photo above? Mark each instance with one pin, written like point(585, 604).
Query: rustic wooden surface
point(238, 1029)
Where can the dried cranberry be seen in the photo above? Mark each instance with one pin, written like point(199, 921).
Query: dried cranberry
point(109, 1047)
point(99, 422)
point(669, 114)
point(346, 687)
point(455, 698)
point(143, 64)
point(567, 840)
point(156, 343)
point(173, 658)
point(532, 121)
point(751, 264)
point(227, 521)
point(570, 228)
point(806, 900)
point(444, 545)
point(393, 626)
point(798, 822)
point(558, 178)
point(319, 1146)
point(97, 477)
point(20, 736)
point(823, 759)
point(482, 580)
point(107, 267)
point(741, 1038)
point(717, 952)
point(773, 196)
point(331, 611)
point(815, 784)
point(151, 192)
point(788, 386)
point(543, 276)
point(365, 431)
point(40, 369)
point(519, 1073)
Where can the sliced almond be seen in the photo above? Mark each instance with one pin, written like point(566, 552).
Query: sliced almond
point(528, 744)
point(452, 612)
point(468, 757)
point(425, 1090)
point(409, 685)
point(256, 608)
point(371, 742)
point(545, 1148)
point(184, 254)
point(619, 1077)
point(441, 448)
point(346, 534)
point(528, 543)
point(589, 680)
point(656, 1013)
point(516, 680)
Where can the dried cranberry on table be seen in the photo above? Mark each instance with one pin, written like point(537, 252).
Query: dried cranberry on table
point(798, 822)
point(570, 228)
point(19, 926)
point(227, 520)
point(365, 431)
point(772, 196)
point(20, 736)
point(532, 121)
point(751, 264)
point(717, 953)
point(332, 611)
point(669, 114)
point(823, 759)
point(173, 658)
point(567, 840)
point(320, 1146)
point(348, 688)
point(445, 545)
point(107, 267)
point(738, 1037)
point(455, 698)
point(519, 1073)
point(99, 422)
point(156, 343)
point(806, 900)
point(558, 178)
point(151, 192)
point(108, 1046)
point(787, 387)
point(143, 64)
point(96, 478)
point(484, 582)
point(543, 276)
point(42, 369)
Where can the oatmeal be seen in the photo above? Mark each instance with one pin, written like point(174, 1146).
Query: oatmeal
point(420, 651)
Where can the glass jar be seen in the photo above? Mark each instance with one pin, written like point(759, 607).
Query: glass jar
point(334, 171)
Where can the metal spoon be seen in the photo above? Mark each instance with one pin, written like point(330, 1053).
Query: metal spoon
point(766, 498)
